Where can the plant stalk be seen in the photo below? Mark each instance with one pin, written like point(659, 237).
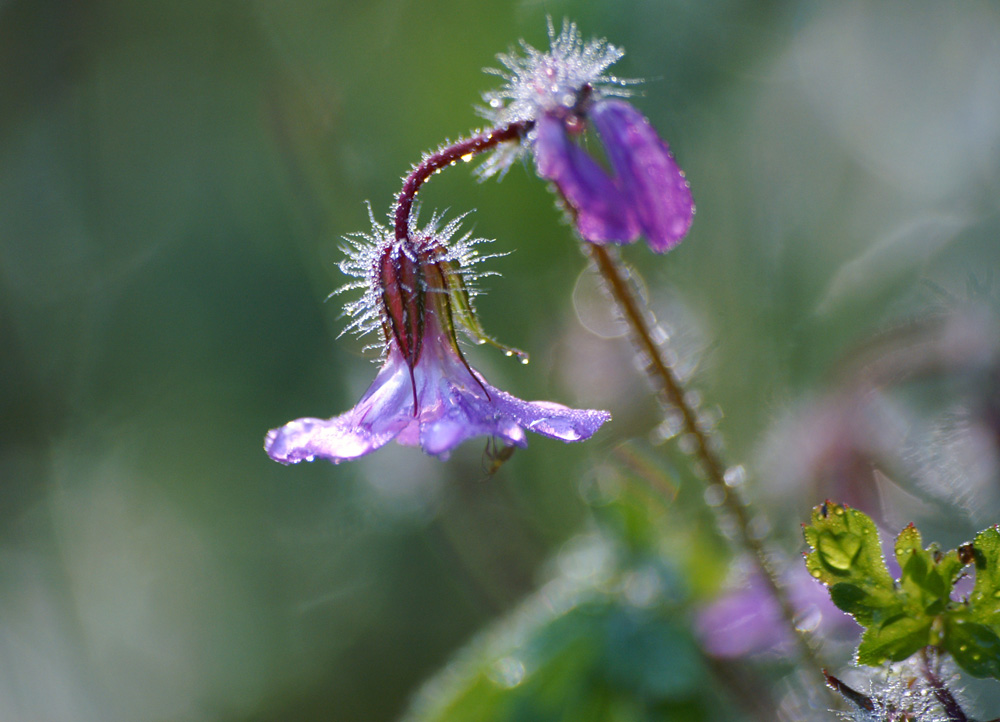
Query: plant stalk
point(638, 319)
point(928, 666)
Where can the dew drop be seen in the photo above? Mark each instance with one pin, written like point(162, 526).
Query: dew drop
point(708, 418)
point(507, 672)
point(525, 361)
point(659, 335)
point(816, 573)
point(714, 495)
point(688, 443)
point(668, 428)
point(759, 527)
point(735, 476)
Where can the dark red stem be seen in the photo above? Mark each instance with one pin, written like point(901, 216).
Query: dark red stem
point(859, 700)
point(443, 158)
point(928, 658)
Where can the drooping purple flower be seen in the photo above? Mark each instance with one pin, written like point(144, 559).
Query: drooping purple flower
point(560, 93)
point(415, 291)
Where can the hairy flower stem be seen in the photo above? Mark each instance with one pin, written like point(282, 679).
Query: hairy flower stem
point(638, 319)
point(928, 667)
point(464, 149)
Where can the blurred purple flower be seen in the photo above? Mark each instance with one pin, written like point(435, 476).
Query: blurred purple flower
point(748, 620)
point(559, 92)
point(648, 193)
point(425, 394)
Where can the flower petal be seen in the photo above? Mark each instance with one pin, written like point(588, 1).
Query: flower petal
point(652, 182)
point(465, 411)
point(455, 403)
point(551, 419)
point(337, 439)
point(384, 411)
point(601, 209)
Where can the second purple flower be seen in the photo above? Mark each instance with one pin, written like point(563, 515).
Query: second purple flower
point(558, 94)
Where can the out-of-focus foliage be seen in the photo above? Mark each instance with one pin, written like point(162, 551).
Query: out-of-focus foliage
point(174, 181)
point(919, 609)
point(609, 636)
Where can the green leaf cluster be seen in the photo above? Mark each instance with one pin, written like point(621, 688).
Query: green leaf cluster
point(580, 652)
point(919, 609)
point(609, 637)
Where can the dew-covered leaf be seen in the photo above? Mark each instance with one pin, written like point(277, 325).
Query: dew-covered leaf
point(919, 609)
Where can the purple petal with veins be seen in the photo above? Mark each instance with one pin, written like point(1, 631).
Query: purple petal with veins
point(649, 178)
point(452, 405)
point(600, 209)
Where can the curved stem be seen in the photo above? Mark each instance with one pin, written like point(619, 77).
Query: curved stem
point(463, 149)
point(638, 320)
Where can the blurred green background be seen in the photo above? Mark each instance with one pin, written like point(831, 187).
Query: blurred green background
point(174, 181)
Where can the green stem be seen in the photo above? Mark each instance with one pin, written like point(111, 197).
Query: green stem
point(615, 275)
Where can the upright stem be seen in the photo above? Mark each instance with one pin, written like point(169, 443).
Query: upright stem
point(615, 276)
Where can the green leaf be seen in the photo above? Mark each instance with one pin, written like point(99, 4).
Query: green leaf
point(847, 556)
point(902, 617)
point(928, 575)
point(975, 647)
point(985, 597)
point(894, 640)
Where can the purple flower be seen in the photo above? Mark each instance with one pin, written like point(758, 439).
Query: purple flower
point(559, 94)
point(747, 620)
point(426, 394)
